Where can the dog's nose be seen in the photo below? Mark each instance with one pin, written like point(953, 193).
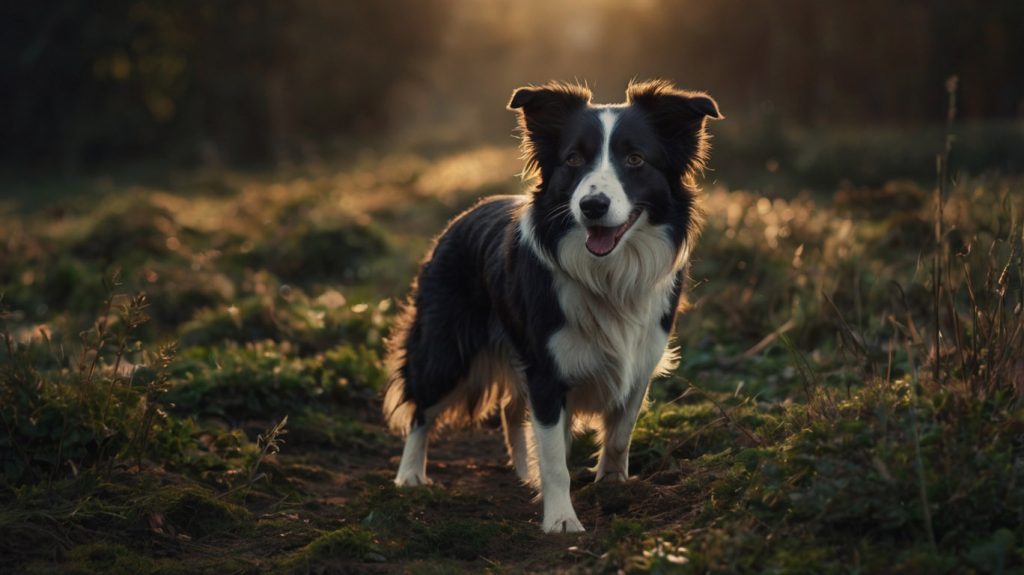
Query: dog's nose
point(594, 206)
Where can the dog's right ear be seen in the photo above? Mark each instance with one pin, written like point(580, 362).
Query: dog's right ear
point(542, 113)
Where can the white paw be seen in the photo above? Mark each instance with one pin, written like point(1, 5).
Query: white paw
point(611, 477)
point(412, 479)
point(563, 524)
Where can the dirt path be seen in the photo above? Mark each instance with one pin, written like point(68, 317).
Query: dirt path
point(477, 515)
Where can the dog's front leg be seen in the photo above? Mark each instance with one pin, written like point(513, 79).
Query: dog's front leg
point(613, 463)
point(552, 448)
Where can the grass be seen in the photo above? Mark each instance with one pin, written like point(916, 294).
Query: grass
point(155, 342)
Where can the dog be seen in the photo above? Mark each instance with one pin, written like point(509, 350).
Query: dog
point(555, 308)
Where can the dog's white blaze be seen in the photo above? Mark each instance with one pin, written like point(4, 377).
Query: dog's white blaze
point(608, 121)
point(604, 179)
point(552, 450)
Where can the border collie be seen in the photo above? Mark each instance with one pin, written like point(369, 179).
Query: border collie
point(555, 308)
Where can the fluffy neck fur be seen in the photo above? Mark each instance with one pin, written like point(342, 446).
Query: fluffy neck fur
point(644, 265)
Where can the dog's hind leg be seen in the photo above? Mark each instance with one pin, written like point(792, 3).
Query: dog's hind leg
point(513, 423)
point(412, 471)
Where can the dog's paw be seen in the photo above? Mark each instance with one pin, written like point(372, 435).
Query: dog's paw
point(412, 479)
point(611, 477)
point(563, 524)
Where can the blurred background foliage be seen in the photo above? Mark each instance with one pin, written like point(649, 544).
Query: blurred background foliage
point(237, 80)
point(263, 82)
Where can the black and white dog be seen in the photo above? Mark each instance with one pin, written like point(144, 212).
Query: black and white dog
point(558, 303)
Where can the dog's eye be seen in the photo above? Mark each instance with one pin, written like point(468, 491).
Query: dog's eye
point(634, 160)
point(575, 159)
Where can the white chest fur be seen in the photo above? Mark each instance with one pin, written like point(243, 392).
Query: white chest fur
point(612, 340)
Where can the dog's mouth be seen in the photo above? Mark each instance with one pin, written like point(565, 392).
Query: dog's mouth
point(602, 240)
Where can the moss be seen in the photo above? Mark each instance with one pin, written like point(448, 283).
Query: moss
point(346, 338)
point(257, 380)
point(464, 539)
point(355, 365)
point(693, 429)
point(195, 511)
point(402, 516)
point(384, 506)
point(108, 559)
point(614, 498)
point(348, 544)
point(267, 380)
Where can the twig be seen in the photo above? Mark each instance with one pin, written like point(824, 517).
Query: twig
point(750, 435)
point(940, 193)
point(762, 345)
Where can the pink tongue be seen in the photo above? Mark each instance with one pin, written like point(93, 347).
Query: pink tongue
point(600, 240)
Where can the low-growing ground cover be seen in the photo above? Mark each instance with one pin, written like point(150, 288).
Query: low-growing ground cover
point(189, 378)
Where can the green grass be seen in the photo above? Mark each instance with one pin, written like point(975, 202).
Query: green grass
point(804, 431)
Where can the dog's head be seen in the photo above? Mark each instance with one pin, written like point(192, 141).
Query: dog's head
point(610, 166)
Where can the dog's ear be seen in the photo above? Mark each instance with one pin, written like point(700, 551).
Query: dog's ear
point(680, 117)
point(543, 111)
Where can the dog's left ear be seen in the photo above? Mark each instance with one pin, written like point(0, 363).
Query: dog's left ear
point(680, 118)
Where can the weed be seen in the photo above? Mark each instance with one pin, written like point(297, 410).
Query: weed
point(269, 443)
point(63, 419)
